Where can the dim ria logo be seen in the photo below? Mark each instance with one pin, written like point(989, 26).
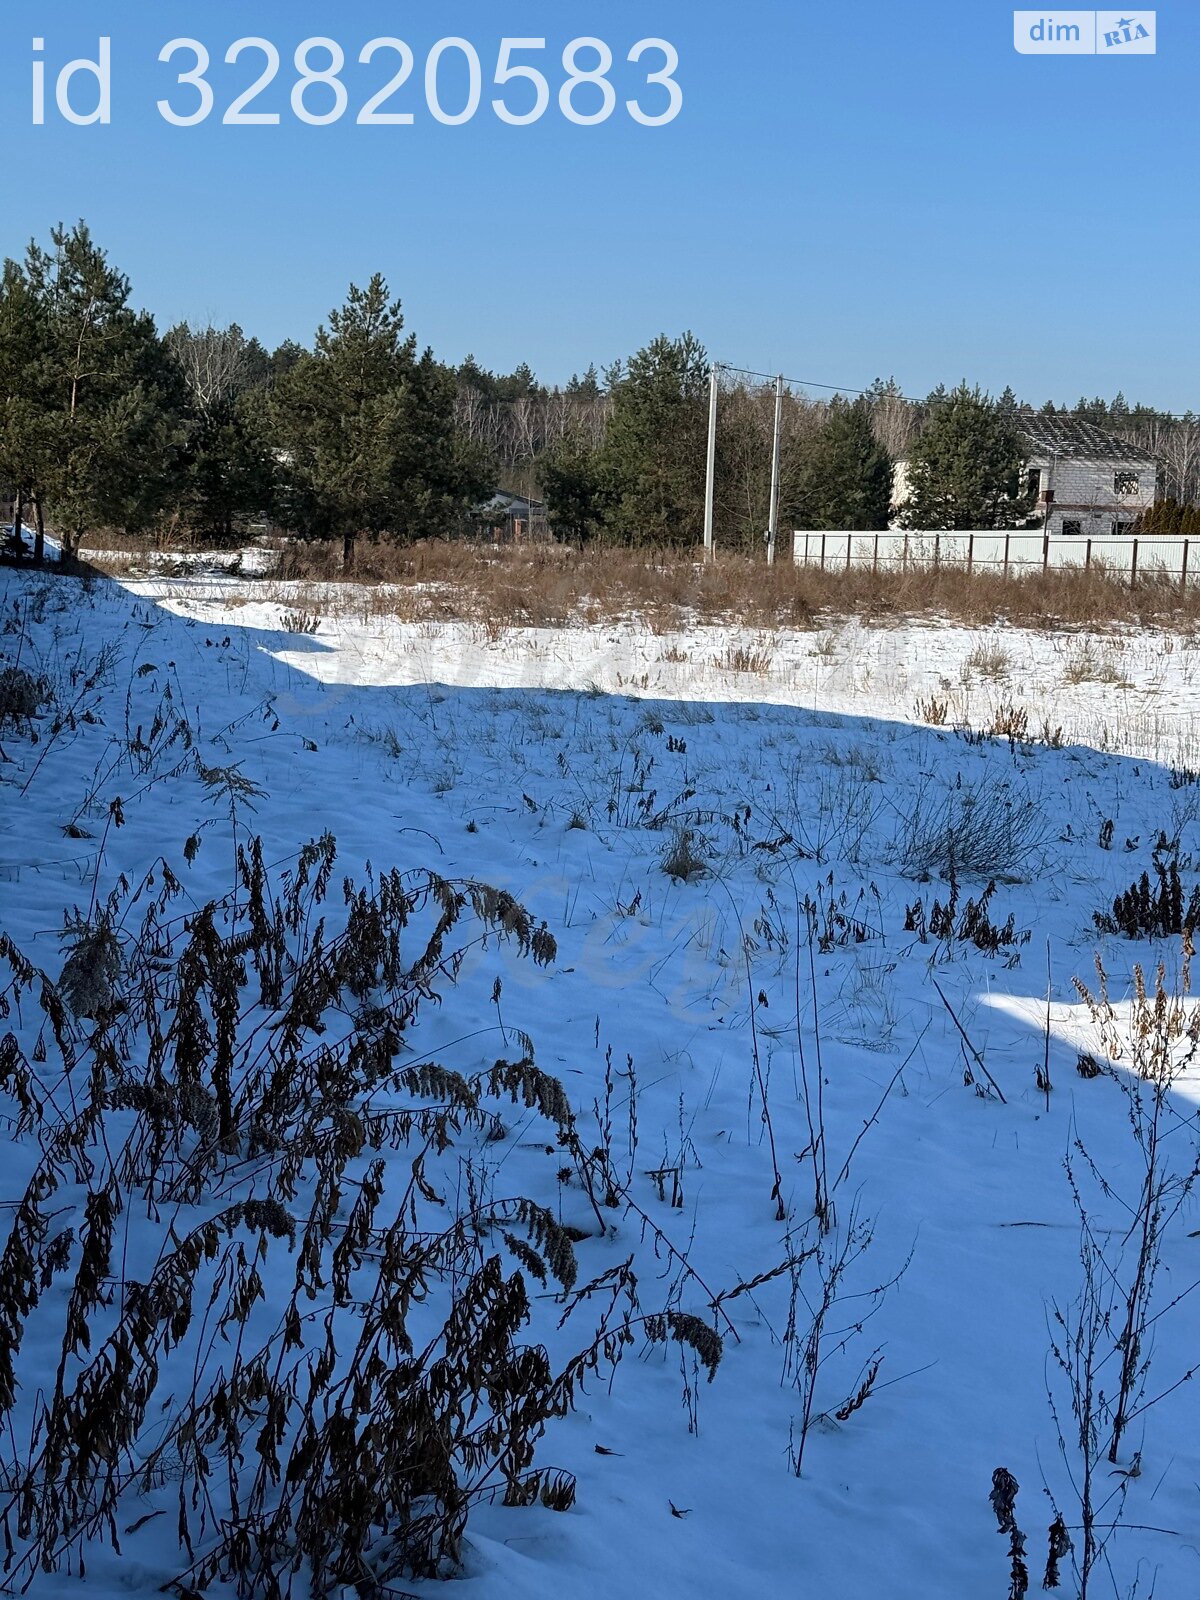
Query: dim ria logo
point(1084, 33)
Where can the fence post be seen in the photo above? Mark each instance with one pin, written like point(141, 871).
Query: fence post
point(1007, 536)
point(1133, 568)
point(875, 558)
point(1183, 573)
point(937, 550)
point(823, 538)
point(1045, 552)
point(1087, 560)
point(904, 556)
point(970, 553)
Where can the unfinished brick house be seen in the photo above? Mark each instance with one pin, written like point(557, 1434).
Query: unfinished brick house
point(1089, 483)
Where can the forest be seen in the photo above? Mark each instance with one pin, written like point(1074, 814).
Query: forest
point(203, 434)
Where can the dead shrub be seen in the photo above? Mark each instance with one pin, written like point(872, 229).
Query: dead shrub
point(984, 830)
point(22, 695)
point(340, 1412)
point(681, 859)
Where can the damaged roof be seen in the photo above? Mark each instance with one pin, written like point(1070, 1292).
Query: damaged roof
point(1070, 439)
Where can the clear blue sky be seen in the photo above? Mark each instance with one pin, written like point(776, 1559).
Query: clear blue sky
point(854, 188)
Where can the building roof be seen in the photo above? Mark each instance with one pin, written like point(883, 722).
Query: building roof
point(1070, 439)
point(512, 505)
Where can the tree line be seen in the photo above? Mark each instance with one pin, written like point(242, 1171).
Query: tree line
point(106, 424)
point(204, 432)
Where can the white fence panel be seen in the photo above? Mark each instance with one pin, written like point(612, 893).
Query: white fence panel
point(986, 550)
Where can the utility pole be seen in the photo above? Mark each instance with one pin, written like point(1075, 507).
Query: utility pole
point(710, 484)
point(773, 525)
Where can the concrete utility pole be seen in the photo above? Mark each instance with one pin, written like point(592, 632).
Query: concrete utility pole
point(773, 525)
point(710, 485)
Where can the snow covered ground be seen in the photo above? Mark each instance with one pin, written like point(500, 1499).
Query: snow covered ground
point(567, 766)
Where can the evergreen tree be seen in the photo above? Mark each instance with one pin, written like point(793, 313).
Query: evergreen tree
point(282, 360)
point(965, 468)
point(572, 484)
point(500, 389)
point(105, 435)
point(367, 430)
point(521, 385)
point(612, 377)
point(587, 387)
point(228, 470)
point(441, 474)
point(227, 473)
point(24, 433)
point(845, 480)
point(472, 376)
point(652, 461)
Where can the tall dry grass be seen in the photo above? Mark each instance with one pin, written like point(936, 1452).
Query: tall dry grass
point(551, 585)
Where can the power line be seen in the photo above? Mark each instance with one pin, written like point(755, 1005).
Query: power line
point(563, 394)
point(913, 400)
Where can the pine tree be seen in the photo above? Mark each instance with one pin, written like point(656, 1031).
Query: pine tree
point(845, 480)
point(24, 437)
point(573, 486)
point(103, 418)
point(227, 473)
point(367, 430)
point(521, 385)
point(440, 474)
point(965, 468)
point(282, 361)
point(587, 387)
point(652, 461)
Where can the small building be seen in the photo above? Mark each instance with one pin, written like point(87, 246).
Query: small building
point(1085, 482)
point(1089, 483)
point(512, 517)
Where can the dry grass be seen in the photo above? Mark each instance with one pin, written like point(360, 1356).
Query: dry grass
point(988, 661)
point(550, 585)
point(496, 588)
point(1088, 665)
point(746, 658)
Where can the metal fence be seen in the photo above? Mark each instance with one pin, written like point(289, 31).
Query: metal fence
point(987, 550)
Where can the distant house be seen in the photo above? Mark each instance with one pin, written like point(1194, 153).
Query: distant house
point(1087, 483)
point(512, 516)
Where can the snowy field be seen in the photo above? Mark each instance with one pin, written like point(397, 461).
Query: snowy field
point(835, 1122)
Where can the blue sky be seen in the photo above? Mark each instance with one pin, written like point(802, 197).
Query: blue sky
point(851, 189)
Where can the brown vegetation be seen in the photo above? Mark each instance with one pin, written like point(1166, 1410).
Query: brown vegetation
point(547, 585)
